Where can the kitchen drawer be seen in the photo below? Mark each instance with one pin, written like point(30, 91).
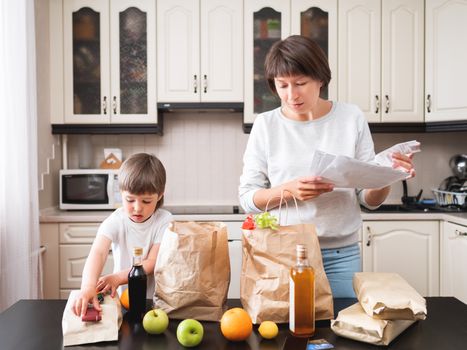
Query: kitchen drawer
point(72, 260)
point(78, 232)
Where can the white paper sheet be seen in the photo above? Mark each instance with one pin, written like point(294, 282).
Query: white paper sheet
point(346, 172)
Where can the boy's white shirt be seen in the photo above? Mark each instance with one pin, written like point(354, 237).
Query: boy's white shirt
point(126, 234)
point(280, 150)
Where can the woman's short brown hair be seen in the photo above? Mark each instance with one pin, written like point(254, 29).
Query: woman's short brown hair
point(297, 55)
point(142, 173)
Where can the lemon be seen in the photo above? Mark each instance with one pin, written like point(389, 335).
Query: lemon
point(268, 329)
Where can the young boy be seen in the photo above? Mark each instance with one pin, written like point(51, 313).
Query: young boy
point(139, 222)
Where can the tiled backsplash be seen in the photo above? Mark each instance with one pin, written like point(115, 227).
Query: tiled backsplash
point(202, 153)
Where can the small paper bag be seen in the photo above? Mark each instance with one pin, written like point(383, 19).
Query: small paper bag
point(267, 258)
point(77, 332)
point(387, 296)
point(355, 324)
point(192, 272)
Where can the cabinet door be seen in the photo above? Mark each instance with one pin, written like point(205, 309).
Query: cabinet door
point(133, 61)
point(360, 55)
point(221, 51)
point(235, 254)
point(72, 260)
point(454, 261)
point(178, 52)
point(402, 61)
point(86, 66)
point(409, 248)
point(266, 21)
point(446, 57)
point(317, 19)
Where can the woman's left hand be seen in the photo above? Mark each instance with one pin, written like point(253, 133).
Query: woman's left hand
point(403, 162)
point(108, 283)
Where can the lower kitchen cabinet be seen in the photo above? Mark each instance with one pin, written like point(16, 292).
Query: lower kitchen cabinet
point(454, 261)
point(235, 255)
point(409, 248)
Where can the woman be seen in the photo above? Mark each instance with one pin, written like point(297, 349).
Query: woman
point(281, 146)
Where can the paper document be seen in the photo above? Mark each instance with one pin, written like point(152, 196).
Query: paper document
point(347, 172)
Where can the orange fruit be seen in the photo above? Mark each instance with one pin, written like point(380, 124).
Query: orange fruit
point(236, 324)
point(125, 299)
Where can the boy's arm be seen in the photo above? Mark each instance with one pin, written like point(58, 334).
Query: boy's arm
point(112, 281)
point(91, 272)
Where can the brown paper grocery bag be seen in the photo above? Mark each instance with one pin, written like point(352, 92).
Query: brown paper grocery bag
point(387, 296)
point(192, 272)
point(354, 323)
point(267, 258)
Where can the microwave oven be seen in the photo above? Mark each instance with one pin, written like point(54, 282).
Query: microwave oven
point(89, 189)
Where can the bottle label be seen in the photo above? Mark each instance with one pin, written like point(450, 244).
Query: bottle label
point(291, 304)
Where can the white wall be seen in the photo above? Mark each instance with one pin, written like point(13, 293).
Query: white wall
point(202, 153)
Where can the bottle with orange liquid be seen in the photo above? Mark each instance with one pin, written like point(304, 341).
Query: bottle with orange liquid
point(302, 296)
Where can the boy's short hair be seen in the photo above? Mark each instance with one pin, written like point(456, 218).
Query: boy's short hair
point(296, 55)
point(142, 173)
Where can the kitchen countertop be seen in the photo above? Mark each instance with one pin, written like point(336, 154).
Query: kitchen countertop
point(36, 325)
point(54, 215)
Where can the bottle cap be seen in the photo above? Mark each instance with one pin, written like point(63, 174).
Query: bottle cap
point(301, 250)
point(137, 251)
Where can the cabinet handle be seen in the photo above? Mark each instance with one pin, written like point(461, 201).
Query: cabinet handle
point(205, 83)
point(460, 233)
point(377, 104)
point(195, 84)
point(114, 104)
point(428, 103)
point(104, 104)
point(368, 243)
point(387, 104)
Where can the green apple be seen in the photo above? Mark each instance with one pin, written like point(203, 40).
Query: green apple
point(155, 321)
point(190, 332)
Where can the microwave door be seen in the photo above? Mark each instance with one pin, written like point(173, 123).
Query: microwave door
point(85, 189)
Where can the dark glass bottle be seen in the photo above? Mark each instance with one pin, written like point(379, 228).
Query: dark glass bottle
point(137, 284)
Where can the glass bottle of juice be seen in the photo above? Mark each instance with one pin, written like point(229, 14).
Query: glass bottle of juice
point(302, 296)
point(137, 284)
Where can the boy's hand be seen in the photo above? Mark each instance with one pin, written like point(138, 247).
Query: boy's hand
point(108, 283)
point(86, 295)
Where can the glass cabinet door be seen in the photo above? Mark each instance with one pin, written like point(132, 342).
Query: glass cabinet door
point(317, 19)
point(266, 22)
point(86, 61)
point(266, 31)
point(132, 55)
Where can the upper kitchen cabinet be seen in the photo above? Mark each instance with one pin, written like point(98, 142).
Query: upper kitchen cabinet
point(200, 50)
point(446, 57)
point(109, 61)
point(267, 21)
point(381, 58)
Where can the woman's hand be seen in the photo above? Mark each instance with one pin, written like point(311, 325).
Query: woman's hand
point(403, 162)
point(86, 295)
point(108, 282)
point(305, 188)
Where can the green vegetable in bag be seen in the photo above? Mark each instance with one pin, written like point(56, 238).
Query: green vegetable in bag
point(266, 220)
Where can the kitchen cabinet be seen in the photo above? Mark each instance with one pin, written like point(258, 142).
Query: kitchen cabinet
point(200, 51)
point(446, 55)
point(409, 248)
point(109, 55)
point(381, 58)
point(454, 261)
point(49, 234)
point(75, 243)
point(235, 256)
point(268, 21)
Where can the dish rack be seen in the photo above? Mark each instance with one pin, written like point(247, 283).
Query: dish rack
point(445, 198)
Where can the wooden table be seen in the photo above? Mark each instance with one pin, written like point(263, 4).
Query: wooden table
point(36, 325)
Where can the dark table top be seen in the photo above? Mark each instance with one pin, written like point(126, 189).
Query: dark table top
point(36, 325)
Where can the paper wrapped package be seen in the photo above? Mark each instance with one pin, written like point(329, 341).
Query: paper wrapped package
point(267, 258)
point(192, 272)
point(388, 296)
point(76, 332)
point(355, 324)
